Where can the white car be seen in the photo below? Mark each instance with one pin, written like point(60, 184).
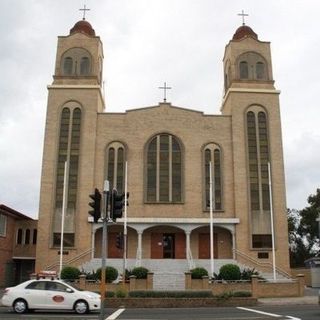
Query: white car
point(49, 294)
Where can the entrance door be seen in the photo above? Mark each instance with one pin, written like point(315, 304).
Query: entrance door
point(162, 246)
point(204, 246)
point(168, 246)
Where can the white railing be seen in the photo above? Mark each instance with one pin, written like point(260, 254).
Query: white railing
point(70, 261)
point(259, 264)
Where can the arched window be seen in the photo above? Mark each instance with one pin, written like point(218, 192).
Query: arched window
point(84, 66)
point(252, 66)
point(115, 165)
point(34, 237)
point(67, 66)
point(258, 155)
point(212, 156)
point(76, 61)
point(244, 72)
point(19, 236)
point(260, 73)
point(164, 169)
point(68, 151)
point(27, 237)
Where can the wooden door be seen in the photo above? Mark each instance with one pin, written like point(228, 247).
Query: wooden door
point(156, 246)
point(204, 246)
point(180, 245)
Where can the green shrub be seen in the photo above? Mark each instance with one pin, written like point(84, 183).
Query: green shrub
point(140, 272)
point(90, 275)
point(70, 273)
point(224, 296)
point(247, 273)
point(110, 294)
point(171, 294)
point(230, 272)
point(241, 294)
point(111, 274)
point(198, 273)
point(121, 293)
point(127, 274)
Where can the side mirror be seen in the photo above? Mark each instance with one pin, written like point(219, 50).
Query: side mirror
point(69, 290)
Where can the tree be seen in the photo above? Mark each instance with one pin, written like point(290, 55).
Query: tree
point(309, 227)
point(303, 229)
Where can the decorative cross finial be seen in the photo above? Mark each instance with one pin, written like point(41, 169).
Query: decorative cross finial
point(243, 15)
point(165, 88)
point(84, 12)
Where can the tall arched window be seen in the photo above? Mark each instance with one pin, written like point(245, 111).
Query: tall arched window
point(19, 236)
point(115, 165)
point(212, 154)
point(244, 72)
point(68, 150)
point(258, 155)
point(67, 66)
point(84, 66)
point(260, 73)
point(27, 237)
point(164, 169)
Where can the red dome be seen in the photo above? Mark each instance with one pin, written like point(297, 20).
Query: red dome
point(244, 31)
point(83, 26)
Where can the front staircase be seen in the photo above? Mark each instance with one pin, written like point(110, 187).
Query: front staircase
point(168, 274)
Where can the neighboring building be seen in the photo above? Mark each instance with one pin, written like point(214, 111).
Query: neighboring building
point(18, 238)
point(168, 150)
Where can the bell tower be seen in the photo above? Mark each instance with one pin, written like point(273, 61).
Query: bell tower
point(74, 101)
point(252, 102)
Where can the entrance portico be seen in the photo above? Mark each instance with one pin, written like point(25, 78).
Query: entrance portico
point(170, 238)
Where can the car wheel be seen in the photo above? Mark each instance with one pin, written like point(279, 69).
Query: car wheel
point(20, 306)
point(81, 307)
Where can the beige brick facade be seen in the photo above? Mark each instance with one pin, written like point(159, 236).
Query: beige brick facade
point(194, 130)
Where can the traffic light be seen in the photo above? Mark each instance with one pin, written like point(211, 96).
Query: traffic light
point(127, 204)
point(119, 240)
point(117, 203)
point(95, 205)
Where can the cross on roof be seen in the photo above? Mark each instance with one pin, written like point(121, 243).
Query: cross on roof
point(165, 88)
point(84, 12)
point(243, 15)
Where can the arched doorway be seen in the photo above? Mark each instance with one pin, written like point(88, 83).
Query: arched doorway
point(222, 243)
point(166, 242)
point(115, 242)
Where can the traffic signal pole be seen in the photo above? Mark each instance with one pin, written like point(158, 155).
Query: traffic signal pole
point(125, 227)
point(104, 246)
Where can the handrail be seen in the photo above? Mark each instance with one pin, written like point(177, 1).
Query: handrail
point(72, 260)
point(262, 264)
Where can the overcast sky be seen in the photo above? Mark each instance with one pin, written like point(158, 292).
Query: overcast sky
point(147, 42)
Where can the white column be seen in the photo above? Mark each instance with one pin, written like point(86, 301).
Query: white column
point(139, 251)
point(234, 245)
point(188, 247)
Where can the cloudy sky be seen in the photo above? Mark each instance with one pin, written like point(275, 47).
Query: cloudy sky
point(147, 42)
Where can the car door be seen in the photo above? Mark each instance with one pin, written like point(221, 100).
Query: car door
point(34, 294)
point(59, 296)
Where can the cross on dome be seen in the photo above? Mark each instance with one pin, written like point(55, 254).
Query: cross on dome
point(84, 12)
point(243, 15)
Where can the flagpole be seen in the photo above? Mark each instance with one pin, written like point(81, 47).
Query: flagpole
point(64, 205)
point(272, 225)
point(211, 224)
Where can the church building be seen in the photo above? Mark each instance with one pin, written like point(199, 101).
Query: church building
point(169, 151)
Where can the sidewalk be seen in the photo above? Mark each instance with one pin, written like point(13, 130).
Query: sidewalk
point(311, 296)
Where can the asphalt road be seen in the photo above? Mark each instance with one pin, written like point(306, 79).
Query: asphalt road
point(283, 312)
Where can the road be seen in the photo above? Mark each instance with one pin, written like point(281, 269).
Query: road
point(283, 312)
